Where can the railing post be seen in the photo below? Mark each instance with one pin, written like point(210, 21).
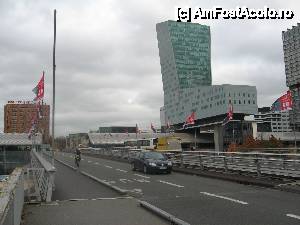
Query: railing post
point(50, 187)
point(258, 169)
point(181, 160)
point(200, 161)
point(225, 163)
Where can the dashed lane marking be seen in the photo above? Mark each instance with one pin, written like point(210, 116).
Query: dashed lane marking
point(96, 163)
point(165, 182)
point(226, 198)
point(124, 171)
point(141, 180)
point(108, 166)
point(89, 161)
point(141, 176)
point(293, 216)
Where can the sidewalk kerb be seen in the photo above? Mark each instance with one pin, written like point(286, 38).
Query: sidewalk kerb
point(72, 167)
point(117, 189)
point(162, 214)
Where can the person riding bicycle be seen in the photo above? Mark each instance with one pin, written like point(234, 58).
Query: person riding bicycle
point(78, 155)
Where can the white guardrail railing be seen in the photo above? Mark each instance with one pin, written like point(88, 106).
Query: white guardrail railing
point(43, 175)
point(275, 164)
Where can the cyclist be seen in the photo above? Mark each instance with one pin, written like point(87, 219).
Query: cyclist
point(78, 155)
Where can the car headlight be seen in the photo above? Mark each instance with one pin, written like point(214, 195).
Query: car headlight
point(152, 164)
point(169, 163)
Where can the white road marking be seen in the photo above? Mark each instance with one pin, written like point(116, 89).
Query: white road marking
point(89, 161)
point(293, 216)
point(141, 180)
point(96, 163)
point(124, 171)
point(226, 198)
point(165, 182)
point(125, 181)
point(141, 176)
point(82, 159)
point(110, 182)
point(108, 166)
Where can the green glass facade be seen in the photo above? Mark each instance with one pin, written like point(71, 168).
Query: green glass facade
point(191, 48)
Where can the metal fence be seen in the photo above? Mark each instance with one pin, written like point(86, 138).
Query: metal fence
point(275, 164)
point(42, 172)
point(12, 199)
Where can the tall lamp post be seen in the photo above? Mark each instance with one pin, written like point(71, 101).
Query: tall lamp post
point(53, 97)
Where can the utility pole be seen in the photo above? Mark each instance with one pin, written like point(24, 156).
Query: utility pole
point(53, 97)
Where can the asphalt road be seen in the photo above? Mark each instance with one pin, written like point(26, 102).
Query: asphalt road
point(73, 185)
point(198, 200)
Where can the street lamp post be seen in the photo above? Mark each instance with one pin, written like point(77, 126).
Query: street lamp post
point(53, 97)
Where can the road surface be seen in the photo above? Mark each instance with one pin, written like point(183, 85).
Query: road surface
point(195, 199)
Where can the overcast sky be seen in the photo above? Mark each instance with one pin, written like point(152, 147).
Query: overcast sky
point(108, 70)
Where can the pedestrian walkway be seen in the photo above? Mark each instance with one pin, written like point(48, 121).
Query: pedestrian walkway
point(70, 184)
point(78, 200)
point(91, 212)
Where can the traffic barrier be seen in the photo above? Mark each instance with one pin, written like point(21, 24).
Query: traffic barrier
point(274, 164)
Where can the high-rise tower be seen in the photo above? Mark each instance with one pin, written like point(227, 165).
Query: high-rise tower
point(185, 59)
point(291, 49)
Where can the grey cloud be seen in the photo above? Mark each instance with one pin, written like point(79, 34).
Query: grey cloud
point(108, 70)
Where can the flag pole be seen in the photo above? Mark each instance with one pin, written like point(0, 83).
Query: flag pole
point(53, 97)
point(195, 137)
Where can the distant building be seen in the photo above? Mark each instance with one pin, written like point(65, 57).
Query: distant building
point(185, 59)
point(269, 121)
point(117, 129)
point(291, 50)
point(15, 150)
point(73, 140)
point(18, 116)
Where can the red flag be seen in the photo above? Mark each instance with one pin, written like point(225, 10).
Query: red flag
point(40, 89)
point(152, 128)
point(230, 112)
point(190, 119)
point(286, 101)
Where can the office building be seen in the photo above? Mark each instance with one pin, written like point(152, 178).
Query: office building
point(291, 50)
point(18, 116)
point(272, 121)
point(117, 129)
point(185, 59)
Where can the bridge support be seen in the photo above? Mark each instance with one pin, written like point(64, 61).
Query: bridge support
point(218, 138)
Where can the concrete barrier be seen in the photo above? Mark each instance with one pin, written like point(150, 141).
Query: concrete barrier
point(12, 198)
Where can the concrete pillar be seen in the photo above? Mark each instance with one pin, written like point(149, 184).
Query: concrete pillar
point(254, 129)
point(218, 138)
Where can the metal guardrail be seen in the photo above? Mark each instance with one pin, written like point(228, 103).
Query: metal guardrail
point(43, 175)
point(12, 198)
point(275, 164)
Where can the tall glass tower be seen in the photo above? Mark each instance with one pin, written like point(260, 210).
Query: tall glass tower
point(185, 59)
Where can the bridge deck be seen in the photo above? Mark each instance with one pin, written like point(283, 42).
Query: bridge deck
point(95, 204)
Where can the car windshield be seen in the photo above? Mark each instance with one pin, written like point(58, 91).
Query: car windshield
point(154, 155)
